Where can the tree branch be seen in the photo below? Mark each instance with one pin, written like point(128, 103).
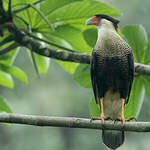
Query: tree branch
point(50, 43)
point(9, 48)
point(73, 122)
point(23, 39)
point(6, 40)
point(142, 69)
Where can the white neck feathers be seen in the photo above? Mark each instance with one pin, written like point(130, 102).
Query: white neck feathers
point(105, 28)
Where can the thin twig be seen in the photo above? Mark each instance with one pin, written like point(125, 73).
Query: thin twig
point(70, 122)
point(27, 6)
point(51, 43)
point(2, 11)
point(9, 48)
point(9, 10)
point(6, 40)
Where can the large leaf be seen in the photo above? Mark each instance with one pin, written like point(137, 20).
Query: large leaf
point(4, 106)
point(9, 57)
point(146, 80)
point(57, 40)
point(48, 6)
point(94, 108)
point(6, 79)
point(42, 63)
point(15, 72)
point(68, 66)
point(90, 36)
point(73, 36)
point(133, 107)
point(73, 12)
point(82, 75)
point(137, 39)
point(79, 11)
point(29, 15)
point(147, 54)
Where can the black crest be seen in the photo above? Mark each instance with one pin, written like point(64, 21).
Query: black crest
point(113, 20)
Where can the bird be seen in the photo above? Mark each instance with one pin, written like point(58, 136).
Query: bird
point(112, 73)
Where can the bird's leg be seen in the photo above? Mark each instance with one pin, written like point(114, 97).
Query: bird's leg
point(121, 118)
point(102, 117)
point(122, 110)
point(102, 109)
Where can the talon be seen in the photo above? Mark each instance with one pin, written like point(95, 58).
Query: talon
point(131, 118)
point(122, 111)
point(95, 118)
point(102, 118)
point(118, 119)
point(123, 120)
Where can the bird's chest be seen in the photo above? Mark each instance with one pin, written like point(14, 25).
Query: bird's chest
point(112, 70)
point(111, 65)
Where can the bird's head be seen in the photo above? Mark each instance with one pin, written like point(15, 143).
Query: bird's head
point(100, 19)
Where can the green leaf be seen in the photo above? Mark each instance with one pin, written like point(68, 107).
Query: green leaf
point(79, 11)
point(15, 72)
point(42, 63)
point(146, 80)
point(82, 75)
point(90, 36)
point(94, 108)
point(6, 79)
point(9, 58)
point(147, 54)
point(72, 12)
point(48, 6)
point(40, 13)
point(30, 15)
point(4, 106)
point(133, 107)
point(58, 41)
point(68, 66)
point(73, 36)
point(136, 36)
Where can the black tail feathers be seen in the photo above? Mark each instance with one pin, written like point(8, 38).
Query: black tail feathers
point(113, 139)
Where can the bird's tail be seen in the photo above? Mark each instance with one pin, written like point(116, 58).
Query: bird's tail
point(113, 139)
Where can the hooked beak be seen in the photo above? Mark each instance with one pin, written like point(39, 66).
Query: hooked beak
point(88, 22)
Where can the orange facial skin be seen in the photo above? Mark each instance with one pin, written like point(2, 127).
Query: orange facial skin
point(95, 20)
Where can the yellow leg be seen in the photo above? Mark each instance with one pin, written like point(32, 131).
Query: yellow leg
point(122, 110)
point(102, 117)
point(102, 109)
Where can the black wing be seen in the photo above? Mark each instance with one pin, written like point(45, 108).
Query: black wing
point(93, 74)
point(131, 73)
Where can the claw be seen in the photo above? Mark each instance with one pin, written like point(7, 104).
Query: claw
point(123, 120)
point(131, 118)
point(102, 118)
